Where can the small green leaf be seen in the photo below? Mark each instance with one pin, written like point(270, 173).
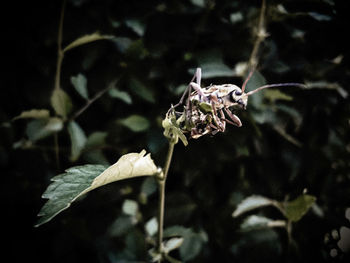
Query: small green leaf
point(61, 103)
point(172, 244)
point(294, 210)
point(130, 207)
point(257, 80)
point(86, 39)
point(96, 139)
point(250, 203)
point(172, 129)
point(136, 123)
point(212, 64)
point(192, 241)
point(255, 222)
point(121, 226)
point(151, 226)
point(137, 26)
point(34, 113)
point(40, 128)
point(76, 181)
point(191, 246)
point(141, 90)
point(79, 82)
point(122, 95)
point(78, 139)
point(275, 94)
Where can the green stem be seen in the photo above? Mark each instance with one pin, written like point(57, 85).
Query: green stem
point(161, 183)
point(60, 53)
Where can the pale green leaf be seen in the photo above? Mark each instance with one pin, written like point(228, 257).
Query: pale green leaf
point(212, 64)
point(192, 241)
point(40, 128)
point(172, 244)
point(79, 180)
point(78, 139)
point(250, 203)
point(276, 94)
point(172, 129)
point(294, 210)
point(200, 3)
point(216, 69)
point(121, 225)
point(86, 39)
point(119, 94)
point(96, 139)
point(151, 226)
point(61, 103)
point(191, 246)
point(137, 26)
point(141, 90)
point(34, 113)
point(130, 207)
point(255, 222)
point(79, 82)
point(136, 123)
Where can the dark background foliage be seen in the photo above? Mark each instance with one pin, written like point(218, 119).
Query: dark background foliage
point(283, 147)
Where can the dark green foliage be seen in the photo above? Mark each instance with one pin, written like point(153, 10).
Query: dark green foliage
point(290, 140)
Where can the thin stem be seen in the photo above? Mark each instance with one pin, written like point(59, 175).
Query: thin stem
point(161, 183)
point(57, 151)
point(60, 53)
point(92, 100)
point(261, 35)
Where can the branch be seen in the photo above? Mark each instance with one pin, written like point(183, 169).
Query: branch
point(261, 35)
point(91, 101)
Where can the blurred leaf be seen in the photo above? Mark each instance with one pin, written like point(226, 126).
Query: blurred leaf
point(122, 95)
point(256, 80)
point(40, 128)
point(79, 82)
point(320, 17)
point(95, 156)
point(96, 139)
point(92, 152)
point(192, 241)
point(275, 94)
point(61, 103)
point(149, 186)
point(250, 203)
point(212, 65)
point(200, 3)
point(121, 226)
point(86, 39)
point(191, 246)
point(327, 85)
point(136, 25)
point(254, 222)
point(296, 209)
point(76, 181)
point(136, 123)
point(78, 139)
point(137, 50)
point(172, 244)
point(130, 207)
point(141, 90)
point(34, 113)
point(135, 246)
point(151, 226)
point(281, 130)
point(122, 43)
